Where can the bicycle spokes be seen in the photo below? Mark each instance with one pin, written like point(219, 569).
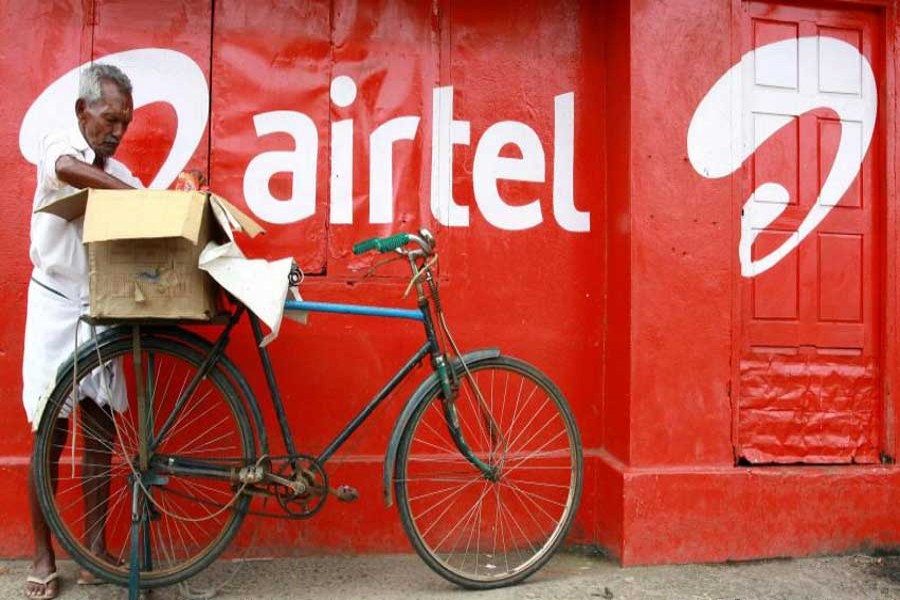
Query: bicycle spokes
point(486, 531)
point(184, 517)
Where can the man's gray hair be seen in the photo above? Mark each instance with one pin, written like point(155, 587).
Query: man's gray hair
point(90, 84)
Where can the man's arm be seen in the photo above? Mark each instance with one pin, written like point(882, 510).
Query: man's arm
point(80, 174)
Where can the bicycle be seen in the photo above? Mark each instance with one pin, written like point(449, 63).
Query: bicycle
point(484, 460)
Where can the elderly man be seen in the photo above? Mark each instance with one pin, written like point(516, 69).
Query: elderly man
point(58, 293)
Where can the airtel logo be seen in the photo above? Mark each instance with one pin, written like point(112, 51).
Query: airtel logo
point(780, 82)
point(163, 75)
point(157, 75)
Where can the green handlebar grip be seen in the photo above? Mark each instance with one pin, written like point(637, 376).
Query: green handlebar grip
point(382, 244)
point(398, 240)
point(365, 246)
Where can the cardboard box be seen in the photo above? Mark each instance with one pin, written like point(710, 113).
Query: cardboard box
point(143, 247)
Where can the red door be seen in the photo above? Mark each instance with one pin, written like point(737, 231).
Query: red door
point(808, 351)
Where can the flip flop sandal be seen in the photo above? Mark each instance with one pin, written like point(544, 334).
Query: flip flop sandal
point(50, 591)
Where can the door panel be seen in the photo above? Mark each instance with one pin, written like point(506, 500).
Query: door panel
point(809, 383)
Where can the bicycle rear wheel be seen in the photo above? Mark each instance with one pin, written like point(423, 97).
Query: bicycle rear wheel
point(86, 460)
point(473, 531)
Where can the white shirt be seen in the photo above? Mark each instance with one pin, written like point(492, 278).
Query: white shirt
point(57, 253)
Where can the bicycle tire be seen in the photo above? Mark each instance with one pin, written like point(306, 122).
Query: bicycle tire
point(189, 528)
point(443, 499)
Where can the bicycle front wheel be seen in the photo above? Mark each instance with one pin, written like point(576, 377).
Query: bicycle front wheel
point(87, 459)
point(483, 531)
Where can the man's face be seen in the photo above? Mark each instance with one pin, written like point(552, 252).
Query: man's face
point(103, 123)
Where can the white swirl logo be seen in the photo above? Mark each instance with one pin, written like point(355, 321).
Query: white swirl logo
point(717, 146)
point(157, 75)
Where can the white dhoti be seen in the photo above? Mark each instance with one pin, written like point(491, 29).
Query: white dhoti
point(49, 340)
point(60, 263)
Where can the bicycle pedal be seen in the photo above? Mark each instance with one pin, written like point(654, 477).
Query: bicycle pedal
point(345, 493)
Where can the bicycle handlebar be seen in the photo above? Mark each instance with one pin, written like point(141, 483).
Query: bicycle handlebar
point(425, 240)
point(382, 244)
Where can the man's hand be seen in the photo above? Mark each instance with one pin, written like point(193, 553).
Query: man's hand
point(192, 180)
point(83, 175)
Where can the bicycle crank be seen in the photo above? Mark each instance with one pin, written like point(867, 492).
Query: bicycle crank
point(300, 485)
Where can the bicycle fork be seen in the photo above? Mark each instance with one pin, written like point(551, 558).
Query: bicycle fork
point(450, 385)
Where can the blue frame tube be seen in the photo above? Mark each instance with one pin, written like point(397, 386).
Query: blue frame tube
point(354, 309)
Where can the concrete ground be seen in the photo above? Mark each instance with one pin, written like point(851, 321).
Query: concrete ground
point(567, 576)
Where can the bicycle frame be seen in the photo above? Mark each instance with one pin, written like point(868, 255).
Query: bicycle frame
point(429, 347)
point(447, 378)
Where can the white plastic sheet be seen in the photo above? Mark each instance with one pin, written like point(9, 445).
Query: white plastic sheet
point(260, 284)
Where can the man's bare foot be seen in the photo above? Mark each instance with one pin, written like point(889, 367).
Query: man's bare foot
point(87, 578)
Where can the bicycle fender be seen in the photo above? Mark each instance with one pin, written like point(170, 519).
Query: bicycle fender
point(423, 391)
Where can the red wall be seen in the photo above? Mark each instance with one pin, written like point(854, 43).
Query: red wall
point(536, 293)
point(683, 497)
point(632, 311)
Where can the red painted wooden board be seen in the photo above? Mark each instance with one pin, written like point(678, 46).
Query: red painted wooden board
point(331, 122)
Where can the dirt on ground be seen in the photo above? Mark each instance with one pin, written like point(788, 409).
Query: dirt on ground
point(569, 575)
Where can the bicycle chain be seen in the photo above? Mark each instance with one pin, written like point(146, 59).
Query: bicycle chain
point(290, 514)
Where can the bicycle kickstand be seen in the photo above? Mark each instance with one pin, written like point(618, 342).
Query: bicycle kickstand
point(134, 574)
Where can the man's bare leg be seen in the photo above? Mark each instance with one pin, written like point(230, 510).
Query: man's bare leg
point(44, 563)
point(98, 438)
